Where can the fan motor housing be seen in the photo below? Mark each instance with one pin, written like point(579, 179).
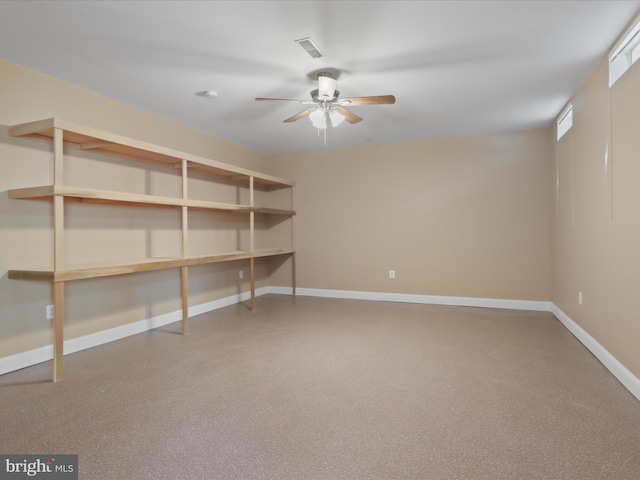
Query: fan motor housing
point(316, 98)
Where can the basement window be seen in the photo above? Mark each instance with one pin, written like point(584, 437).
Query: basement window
point(625, 53)
point(565, 121)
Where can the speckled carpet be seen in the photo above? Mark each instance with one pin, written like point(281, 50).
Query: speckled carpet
point(310, 388)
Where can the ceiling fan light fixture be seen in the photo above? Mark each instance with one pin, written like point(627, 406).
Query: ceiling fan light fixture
point(328, 109)
point(318, 118)
point(336, 118)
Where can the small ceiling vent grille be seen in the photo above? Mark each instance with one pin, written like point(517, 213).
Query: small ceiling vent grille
point(310, 47)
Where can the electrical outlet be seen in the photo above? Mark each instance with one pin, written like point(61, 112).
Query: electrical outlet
point(579, 298)
point(241, 274)
point(50, 312)
point(392, 274)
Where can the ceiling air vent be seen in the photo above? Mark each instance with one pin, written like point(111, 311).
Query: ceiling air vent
point(310, 47)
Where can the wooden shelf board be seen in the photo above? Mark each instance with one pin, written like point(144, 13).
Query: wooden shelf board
point(272, 252)
point(34, 275)
point(80, 273)
point(89, 195)
point(274, 211)
point(206, 205)
point(237, 255)
point(141, 266)
point(86, 138)
point(216, 258)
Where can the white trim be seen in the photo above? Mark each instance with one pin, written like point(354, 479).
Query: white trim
point(279, 290)
point(621, 56)
point(625, 38)
point(428, 299)
point(624, 376)
point(43, 354)
point(564, 121)
point(25, 359)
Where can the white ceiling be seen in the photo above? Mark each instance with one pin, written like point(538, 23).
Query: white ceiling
point(455, 67)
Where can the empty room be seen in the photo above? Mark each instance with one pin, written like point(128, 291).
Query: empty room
point(319, 239)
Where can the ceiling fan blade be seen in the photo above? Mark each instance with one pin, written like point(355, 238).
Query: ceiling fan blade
point(304, 102)
point(375, 100)
point(300, 115)
point(348, 116)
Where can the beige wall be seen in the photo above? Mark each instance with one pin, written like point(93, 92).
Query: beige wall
point(463, 216)
point(472, 216)
point(102, 233)
point(460, 217)
point(596, 214)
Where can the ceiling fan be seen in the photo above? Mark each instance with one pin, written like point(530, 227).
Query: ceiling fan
point(328, 109)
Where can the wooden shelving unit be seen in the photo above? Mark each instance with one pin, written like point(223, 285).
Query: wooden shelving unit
point(65, 135)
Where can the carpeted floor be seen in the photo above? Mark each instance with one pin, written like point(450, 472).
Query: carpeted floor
point(309, 388)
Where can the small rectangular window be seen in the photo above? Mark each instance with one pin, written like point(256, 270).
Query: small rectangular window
point(565, 121)
point(625, 53)
point(635, 53)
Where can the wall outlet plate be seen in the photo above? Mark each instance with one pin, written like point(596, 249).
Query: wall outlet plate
point(392, 274)
point(50, 312)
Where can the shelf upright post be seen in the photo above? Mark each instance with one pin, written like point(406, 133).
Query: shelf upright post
point(184, 270)
point(58, 328)
point(293, 246)
point(252, 244)
point(58, 255)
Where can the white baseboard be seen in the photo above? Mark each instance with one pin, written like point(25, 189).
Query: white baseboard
point(428, 299)
point(25, 359)
point(628, 379)
point(624, 376)
point(278, 290)
point(43, 354)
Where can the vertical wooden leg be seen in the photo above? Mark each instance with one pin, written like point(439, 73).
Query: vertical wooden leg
point(293, 273)
point(58, 330)
point(253, 285)
point(184, 273)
